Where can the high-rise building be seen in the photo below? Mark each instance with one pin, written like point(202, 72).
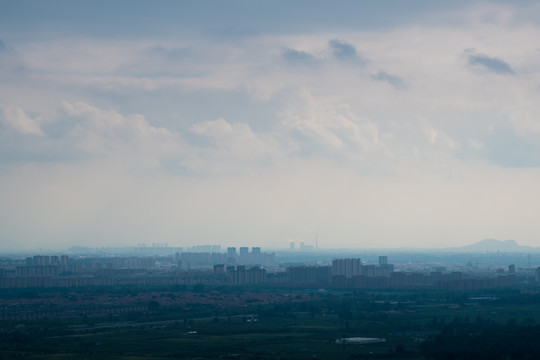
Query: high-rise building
point(244, 251)
point(243, 257)
point(219, 269)
point(346, 267)
point(231, 255)
point(64, 260)
point(184, 265)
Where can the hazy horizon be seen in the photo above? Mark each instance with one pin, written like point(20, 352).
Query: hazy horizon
point(371, 124)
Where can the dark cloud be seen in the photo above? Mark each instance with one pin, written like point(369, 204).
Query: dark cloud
point(296, 57)
point(490, 64)
point(344, 51)
point(393, 80)
point(2, 46)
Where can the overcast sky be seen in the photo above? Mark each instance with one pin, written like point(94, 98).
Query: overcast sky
point(255, 123)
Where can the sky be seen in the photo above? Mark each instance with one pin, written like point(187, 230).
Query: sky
point(366, 124)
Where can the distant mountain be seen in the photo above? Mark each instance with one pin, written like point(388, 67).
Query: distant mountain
point(493, 245)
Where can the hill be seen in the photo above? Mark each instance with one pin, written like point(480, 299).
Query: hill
point(493, 245)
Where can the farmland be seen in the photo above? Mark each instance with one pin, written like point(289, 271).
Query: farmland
point(254, 323)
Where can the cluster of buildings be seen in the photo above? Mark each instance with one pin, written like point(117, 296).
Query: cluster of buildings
point(351, 273)
point(197, 259)
point(354, 267)
point(244, 267)
point(240, 275)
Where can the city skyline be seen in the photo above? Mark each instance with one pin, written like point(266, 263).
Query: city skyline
point(359, 124)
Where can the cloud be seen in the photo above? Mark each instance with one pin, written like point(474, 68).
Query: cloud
point(231, 146)
point(220, 129)
point(322, 128)
point(489, 64)
point(223, 112)
point(2, 46)
point(475, 144)
point(296, 57)
point(108, 133)
point(344, 51)
point(393, 80)
point(18, 120)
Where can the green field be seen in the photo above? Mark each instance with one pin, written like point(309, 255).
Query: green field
point(410, 322)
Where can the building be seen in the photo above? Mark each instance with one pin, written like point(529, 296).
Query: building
point(231, 255)
point(318, 276)
point(243, 258)
point(242, 276)
point(346, 267)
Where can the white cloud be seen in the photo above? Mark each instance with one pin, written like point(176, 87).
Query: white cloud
point(475, 144)
point(234, 148)
point(333, 126)
point(223, 132)
point(17, 119)
point(109, 132)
